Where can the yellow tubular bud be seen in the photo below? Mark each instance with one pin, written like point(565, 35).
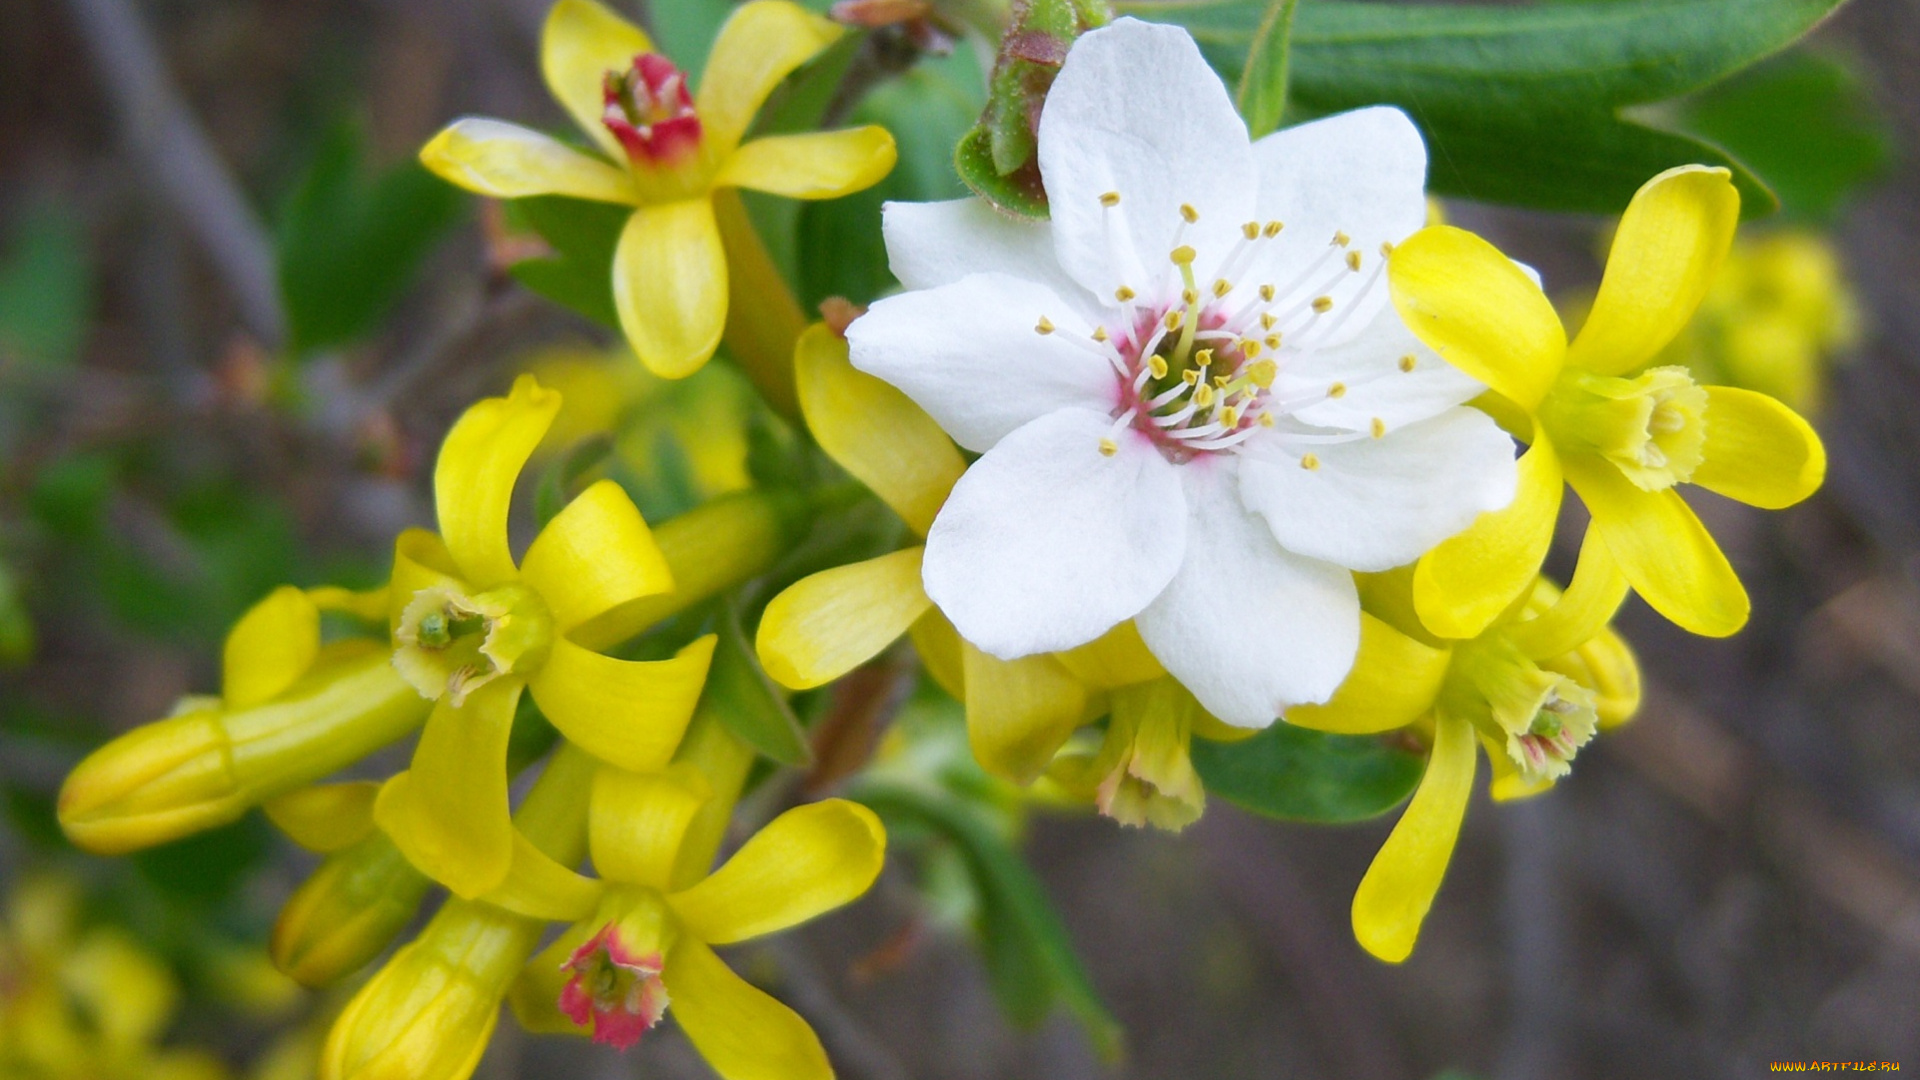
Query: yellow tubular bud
point(178, 776)
point(347, 912)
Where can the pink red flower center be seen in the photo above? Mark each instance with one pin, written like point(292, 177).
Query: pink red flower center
point(616, 990)
point(649, 109)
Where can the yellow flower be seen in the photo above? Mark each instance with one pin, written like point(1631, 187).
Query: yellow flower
point(646, 948)
point(1597, 416)
point(1776, 314)
point(471, 629)
point(1019, 712)
point(1533, 688)
point(668, 151)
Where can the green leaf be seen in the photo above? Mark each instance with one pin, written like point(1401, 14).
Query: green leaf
point(583, 234)
point(1262, 94)
point(748, 702)
point(560, 480)
point(1300, 775)
point(1531, 106)
point(1029, 957)
point(1803, 122)
point(349, 246)
point(46, 287)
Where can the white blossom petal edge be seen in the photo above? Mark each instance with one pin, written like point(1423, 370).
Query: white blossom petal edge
point(1196, 407)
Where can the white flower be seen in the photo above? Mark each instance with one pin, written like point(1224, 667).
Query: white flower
point(1196, 407)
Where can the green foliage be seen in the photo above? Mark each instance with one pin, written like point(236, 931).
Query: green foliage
point(203, 868)
point(1029, 957)
point(46, 287)
point(1262, 94)
point(350, 245)
point(582, 234)
point(1525, 106)
point(1300, 775)
point(1803, 122)
point(748, 702)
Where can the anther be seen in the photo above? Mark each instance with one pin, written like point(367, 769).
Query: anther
point(1272, 229)
point(1341, 239)
point(1407, 362)
point(1221, 287)
point(1266, 294)
point(1273, 341)
point(1108, 447)
point(1263, 372)
point(1188, 213)
point(1189, 376)
point(1203, 395)
point(1203, 358)
point(1182, 255)
point(1189, 296)
point(1322, 304)
point(1379, 427)
point(1386, 248)
point(1173, 319)
point(1123, 294)
point(1100, 333)
point(1220, 382)
point(1266, 419)
point(1309, 462)
point(1230, 417)
point(1251, 230)
point(1111, 198)
point(1044, 326)
point(1158, 365)
point(1353, 261)
point(1337, 390)
point(1267, 320)
point(1249, 348)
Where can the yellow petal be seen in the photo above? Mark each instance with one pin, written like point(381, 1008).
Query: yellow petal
point(1582, 611)
point(507, 161)
point(1394, 681)
point(448, 813)
point(594, 555)
point(938, 644)
point(670, 285)
point(637, 822)
point(474, 477)
point(630, 713)
point(1399, 887)
point(816, 165)
point(581, 42)
point(1759, 451)
point(1462, 586)
point(829, 623)
point(272, 645)
point(1479, 311)
point(538, 887)
point(1669, 246)
point(1666, 554)
point(874, 431)
point(370, 604)
point(806, 862)
point(1114, 659)
point(325, 817)
point(1019, 712)
point(743, 1033)
point(420, 561)
point(761, 43)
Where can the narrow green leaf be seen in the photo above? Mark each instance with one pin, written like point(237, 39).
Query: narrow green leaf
point(1030, 959)
point(560, 480)
point(1300, 775)
point(579, 273)
point(748, 702)
point(1262, 94)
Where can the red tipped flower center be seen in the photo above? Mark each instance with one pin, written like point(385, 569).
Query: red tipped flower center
point(649, 109)
point(615, 989)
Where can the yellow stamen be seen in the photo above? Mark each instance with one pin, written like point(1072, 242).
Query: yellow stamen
point(1267, 320)
point(1266, 419)
point(1273, 341)
point(1189, 376)
point(1045, 326)
point(1386, 248)
point(1309, 462)
point(1407, 362)
point(1188, 296)
point(1230, 417)
point(1189, 213)
point(1341, 239)
point(1379, 427)
point(1173, 319)
point(1266, 294)
point(1251, 230)
point(1123, 294)
point(1203, 395)
point(1337, 390)
point(1182, 255)
point(1322, 305)
point(1249, 348)
point(1262, 372)
point(1203, 358)
point(1158, 365)
point(1273, 229)
point(1100, 333)
point(1108, 447)
point(1353, 261)
point(1220, 382)
point(1111, 198)
point(1222, 287)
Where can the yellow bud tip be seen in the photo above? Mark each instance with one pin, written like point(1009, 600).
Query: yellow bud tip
point(1221, 287)
point(1273, 229)
point(1123, 294)
point(1322, 305)
point(1044, 326)
point(1263, 372)
point(1353, 261)
point(1182, 255)
point(1108, 447)
point(1309, 462)
point(1407, 362)
point(1379, 427)
point(1251, 230)
point(1337, 390)
point(1188, 213)
point(1110, 199)
point(1266, 294)
point(1158, 365)
point(1341, 239)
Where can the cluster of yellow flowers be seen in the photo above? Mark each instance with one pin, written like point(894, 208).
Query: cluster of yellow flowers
point(1469, 644)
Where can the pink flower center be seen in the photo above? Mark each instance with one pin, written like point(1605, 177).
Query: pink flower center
point(649, 109)
point(616, 990)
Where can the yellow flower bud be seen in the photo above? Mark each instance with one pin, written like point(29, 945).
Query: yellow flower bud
point(347, 912)
point(206, 767)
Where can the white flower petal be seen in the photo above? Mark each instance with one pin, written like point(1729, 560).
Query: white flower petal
point(1377, 379)
point(938, 243)
point(1373, 504)
point(969, 354)
point(1046, 543)
point(1137, 111)
point(1361, 174)
point(1249, 628)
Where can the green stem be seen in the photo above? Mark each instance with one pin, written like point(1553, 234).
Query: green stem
point(764, 320)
